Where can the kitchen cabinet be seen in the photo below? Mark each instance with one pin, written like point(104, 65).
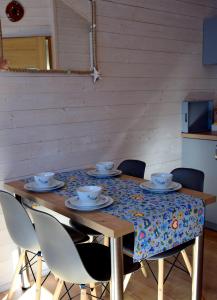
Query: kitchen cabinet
point(210, 41)
point(201, 154)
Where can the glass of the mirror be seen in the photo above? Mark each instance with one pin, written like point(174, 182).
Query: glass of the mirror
point(52, 35)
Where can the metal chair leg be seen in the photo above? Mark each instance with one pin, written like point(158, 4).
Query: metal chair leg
point(160, 278)
point(187, 262)
point(143, 269)
point(17, 270)
point(104, 289)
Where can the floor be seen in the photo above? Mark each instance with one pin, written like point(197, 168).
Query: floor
point(178, 286)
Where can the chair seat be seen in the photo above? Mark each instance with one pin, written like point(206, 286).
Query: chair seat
point(128, 244)
point(84, 229)
point(95, 258)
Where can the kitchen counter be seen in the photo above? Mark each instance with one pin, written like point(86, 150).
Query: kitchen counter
point(212, 136)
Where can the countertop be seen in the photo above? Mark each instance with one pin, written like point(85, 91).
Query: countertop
point(211, 136)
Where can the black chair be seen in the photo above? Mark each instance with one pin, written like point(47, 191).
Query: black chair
point(83, 264)
point(133, 167)
point(189, 178)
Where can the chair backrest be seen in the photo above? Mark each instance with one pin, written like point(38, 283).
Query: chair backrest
point(59, 250)
point(189, 178)
point(133, 167)
point(18, 223)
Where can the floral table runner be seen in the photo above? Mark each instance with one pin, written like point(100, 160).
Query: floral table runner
point(161, 221)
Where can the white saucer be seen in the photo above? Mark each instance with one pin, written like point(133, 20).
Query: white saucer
point(32, 186)
point(72, 203)
point(97, 174)
point(149, 186)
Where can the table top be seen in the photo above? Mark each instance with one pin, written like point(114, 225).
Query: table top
point(105, 223)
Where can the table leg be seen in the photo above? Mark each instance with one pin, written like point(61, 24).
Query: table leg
point(197, 276)
point(116, 292)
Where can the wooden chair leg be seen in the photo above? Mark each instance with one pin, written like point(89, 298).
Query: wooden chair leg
point(38, 277)
point(126, 280)
point(106, 241)
point(93, 291)
point(160, 278)
point(58, 290)
point(84, 295)
point(187, 262)
point(143, 269)
point(91, 239)
point(17, 270)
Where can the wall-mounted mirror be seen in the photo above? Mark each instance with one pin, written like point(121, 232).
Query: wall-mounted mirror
point(52, 36)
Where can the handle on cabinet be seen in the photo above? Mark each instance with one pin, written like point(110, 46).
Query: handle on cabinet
point(216, 152)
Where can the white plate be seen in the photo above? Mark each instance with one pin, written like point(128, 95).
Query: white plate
point(97, 174)
point(107, 201)
point(32, 186)
point(76, 202)
point(149, 186)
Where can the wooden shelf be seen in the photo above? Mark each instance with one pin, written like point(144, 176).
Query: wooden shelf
point(212, 136)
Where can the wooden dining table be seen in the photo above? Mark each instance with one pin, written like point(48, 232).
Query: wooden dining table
point(114, 228)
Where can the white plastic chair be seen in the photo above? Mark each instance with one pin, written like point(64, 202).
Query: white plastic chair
point(82, 264)
point(23, 234)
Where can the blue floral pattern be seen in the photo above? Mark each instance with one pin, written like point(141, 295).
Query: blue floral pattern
point(161, 221)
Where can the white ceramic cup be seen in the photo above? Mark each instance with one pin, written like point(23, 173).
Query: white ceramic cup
point(44, 179)
point(88, 194)
point(161, 180)
point(104, 166)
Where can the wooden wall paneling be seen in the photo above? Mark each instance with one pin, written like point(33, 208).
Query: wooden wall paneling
point(115, 10)
point(149, 44)
point(114, 25)
point(121, 55)
point(185, 8)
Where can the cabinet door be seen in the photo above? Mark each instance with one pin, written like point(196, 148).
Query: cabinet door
point(200, 154)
